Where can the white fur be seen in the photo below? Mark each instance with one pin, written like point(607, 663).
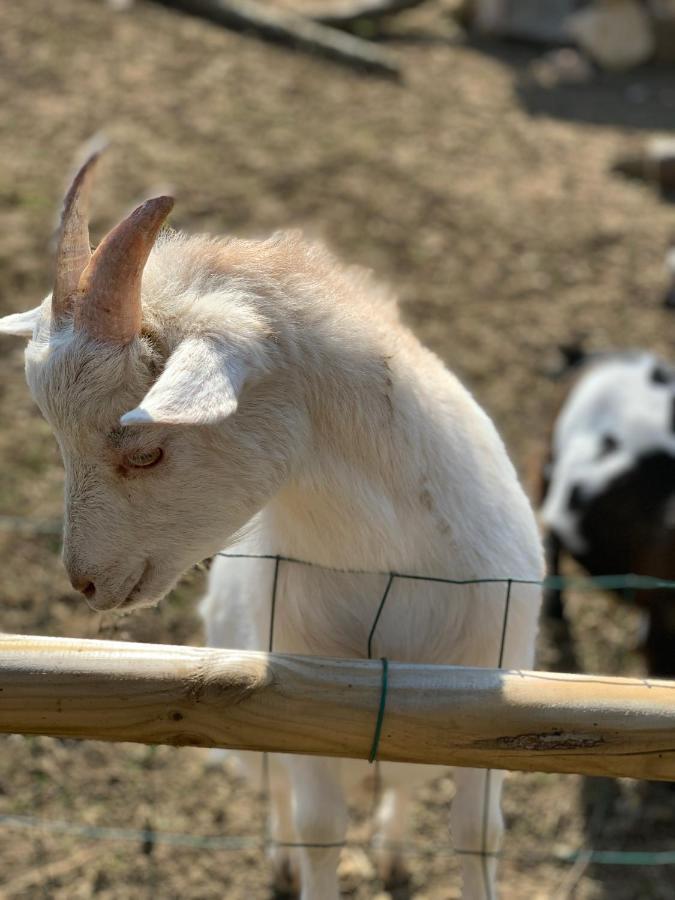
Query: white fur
point(180, 398)
point(20, 324)
point(291, 402)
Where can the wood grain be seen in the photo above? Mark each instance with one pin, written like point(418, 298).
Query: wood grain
point(156, 694)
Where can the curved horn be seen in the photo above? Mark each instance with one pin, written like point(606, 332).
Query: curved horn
point(73, 251)
point(109, 303)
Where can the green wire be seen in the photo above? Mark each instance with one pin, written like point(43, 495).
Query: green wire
point(380, 712)
point(604, 582)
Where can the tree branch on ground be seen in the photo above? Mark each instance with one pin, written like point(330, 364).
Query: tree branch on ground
point(347, 12)
point(290, 28)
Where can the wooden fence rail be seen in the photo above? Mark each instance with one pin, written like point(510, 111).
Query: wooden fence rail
point(155, 694)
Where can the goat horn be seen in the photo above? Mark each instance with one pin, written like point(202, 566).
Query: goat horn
point(109, 302)
point(73, 251)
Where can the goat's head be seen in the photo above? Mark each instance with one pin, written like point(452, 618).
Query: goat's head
point(159, 472)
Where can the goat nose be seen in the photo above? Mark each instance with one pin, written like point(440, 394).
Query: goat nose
point(82, 584)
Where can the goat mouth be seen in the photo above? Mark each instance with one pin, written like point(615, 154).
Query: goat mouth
point(135, 597)
point(130, 597)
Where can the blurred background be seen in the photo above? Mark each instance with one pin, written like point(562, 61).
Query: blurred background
point(490, 162)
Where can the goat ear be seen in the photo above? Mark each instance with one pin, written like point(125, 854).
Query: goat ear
point(21, 324)
point(200, 385)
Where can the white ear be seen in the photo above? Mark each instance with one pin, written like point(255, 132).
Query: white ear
point(21, 324)
point(200, 385)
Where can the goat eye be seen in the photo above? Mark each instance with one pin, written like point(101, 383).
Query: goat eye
point(608, 445)
point(145, 458)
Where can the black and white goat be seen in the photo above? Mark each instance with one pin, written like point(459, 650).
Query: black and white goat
point(608, 493)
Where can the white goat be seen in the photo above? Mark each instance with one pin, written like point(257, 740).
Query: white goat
point(259, 382)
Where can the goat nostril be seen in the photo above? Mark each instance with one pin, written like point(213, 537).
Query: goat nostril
point(84, 586)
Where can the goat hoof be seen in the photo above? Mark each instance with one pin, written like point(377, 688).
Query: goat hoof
point(286, 882)
point(396, 878)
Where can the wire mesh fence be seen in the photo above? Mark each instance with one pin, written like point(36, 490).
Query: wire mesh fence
point(582, 856)
point(485, 853)
point(628, 583)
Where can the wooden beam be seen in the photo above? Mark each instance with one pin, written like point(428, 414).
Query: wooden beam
point(155, 694)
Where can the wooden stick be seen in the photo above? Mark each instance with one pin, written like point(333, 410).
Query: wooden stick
point(288, 27)
point(347, 12)
point(155, 694)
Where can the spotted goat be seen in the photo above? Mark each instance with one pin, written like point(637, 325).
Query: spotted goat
point(608, 494)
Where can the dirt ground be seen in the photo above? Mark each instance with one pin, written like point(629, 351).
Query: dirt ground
point(488, 203)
